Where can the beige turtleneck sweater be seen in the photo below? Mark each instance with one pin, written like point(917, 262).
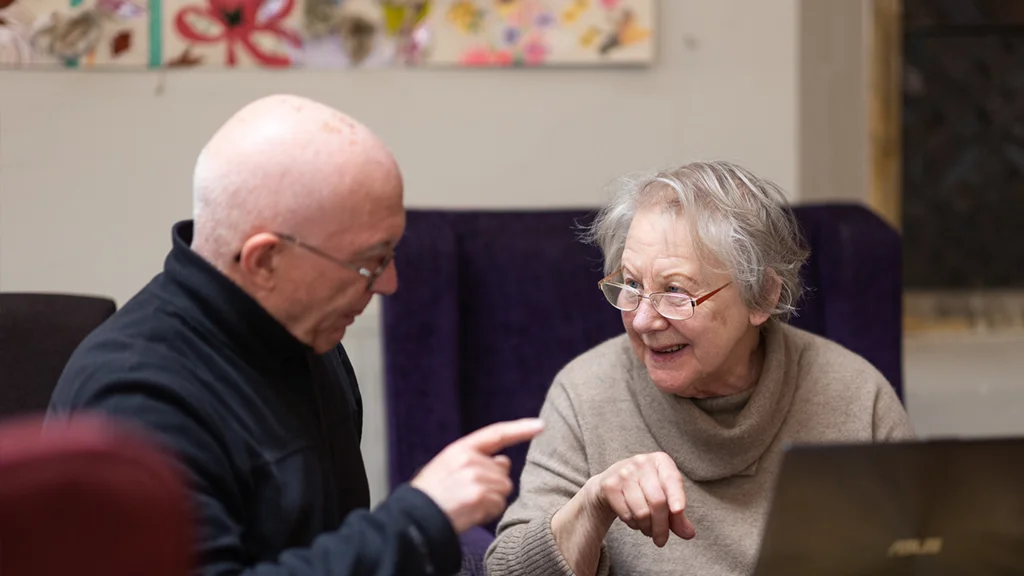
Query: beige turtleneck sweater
point(603, 408)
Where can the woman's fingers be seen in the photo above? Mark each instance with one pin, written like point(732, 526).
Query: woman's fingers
point(672, 482)
point(657, 503)
point(646, 493)
point(612, 490)
point(681, 526)
point(638, 507)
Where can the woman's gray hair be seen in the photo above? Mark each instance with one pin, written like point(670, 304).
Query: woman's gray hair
point(741, 225)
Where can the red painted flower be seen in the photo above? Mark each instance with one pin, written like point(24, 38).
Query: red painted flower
point(240, 22)
point(535, 53)
point(484, 56)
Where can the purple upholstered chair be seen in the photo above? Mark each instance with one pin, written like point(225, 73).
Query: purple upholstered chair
point(492, 304)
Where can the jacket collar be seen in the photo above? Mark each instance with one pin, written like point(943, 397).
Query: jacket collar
point(220, 307)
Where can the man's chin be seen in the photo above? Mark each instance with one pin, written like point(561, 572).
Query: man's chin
point(326, 342)
point(338, 334)
point(331, 335)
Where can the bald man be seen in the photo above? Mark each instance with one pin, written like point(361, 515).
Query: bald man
point(231, 357)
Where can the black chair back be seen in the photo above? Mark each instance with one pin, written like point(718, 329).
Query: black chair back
point(38, 333)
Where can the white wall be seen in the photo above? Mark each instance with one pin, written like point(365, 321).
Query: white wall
point(965, 384)
point(834, 90)
point(95, 167)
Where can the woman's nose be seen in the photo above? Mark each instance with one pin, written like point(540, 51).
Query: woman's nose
point(647, 319)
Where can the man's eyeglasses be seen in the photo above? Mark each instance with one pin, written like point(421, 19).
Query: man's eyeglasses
point(370, 275)
point(671, 305)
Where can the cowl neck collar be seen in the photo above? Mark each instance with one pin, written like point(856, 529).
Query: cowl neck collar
point(715, 438)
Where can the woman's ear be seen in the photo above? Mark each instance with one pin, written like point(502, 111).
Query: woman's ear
point(772, 291)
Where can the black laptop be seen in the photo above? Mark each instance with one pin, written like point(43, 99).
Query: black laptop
point(925, 508)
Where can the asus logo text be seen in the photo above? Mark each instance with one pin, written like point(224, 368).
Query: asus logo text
point(915, 547)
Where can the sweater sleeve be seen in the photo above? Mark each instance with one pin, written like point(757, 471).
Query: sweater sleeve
point(891, 422)
point(407, 534)
point(556, 469)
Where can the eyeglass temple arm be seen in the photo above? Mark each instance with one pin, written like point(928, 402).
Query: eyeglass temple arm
point(710, 294)
point(295, 241)
point(608, 277)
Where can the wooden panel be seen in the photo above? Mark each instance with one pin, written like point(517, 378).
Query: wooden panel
point(886, 103)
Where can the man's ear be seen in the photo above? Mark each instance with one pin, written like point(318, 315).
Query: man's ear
point(772, 289)
point(258, 258)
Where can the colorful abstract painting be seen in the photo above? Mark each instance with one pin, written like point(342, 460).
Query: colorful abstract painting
point(325, 34)
point(357, 33)
point(74, 33)
point(230, 32)
point(543, 32)
point(294, 33)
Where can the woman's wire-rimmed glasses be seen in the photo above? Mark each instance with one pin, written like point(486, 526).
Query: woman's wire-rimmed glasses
point(370, 275)
point(671, 305)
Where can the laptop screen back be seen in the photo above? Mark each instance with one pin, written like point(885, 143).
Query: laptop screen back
point(922, 508)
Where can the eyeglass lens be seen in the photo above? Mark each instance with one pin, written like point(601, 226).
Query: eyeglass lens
point(677, 307)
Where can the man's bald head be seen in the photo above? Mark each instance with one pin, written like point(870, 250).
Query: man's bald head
point(300, 206)
point(282, 163)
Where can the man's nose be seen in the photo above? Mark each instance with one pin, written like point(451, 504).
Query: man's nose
point(387, 282)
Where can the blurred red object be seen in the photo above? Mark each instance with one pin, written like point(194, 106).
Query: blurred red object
point(86, 496)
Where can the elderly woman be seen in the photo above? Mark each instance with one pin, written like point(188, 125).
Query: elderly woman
point(676, 428)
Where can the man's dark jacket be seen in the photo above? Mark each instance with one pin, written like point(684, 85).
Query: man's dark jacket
point(267, 430)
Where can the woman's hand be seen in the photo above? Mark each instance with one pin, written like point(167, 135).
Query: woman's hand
point(646, 493)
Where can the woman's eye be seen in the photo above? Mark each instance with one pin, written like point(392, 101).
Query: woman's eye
point(632, 284)
point(674, 290)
